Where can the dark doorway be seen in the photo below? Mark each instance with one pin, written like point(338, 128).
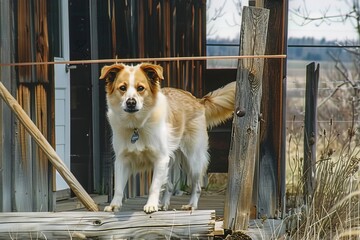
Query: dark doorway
point(81, 99)
point(220, 136)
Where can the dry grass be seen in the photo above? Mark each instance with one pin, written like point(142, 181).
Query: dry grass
point(333, 211)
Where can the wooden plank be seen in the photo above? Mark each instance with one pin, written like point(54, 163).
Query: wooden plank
point(258, 228)
point(42, 40)
point(40, 166)
point(47, 148)
point(113, 30)
point(6, 121)
point(310, 129)
point(123, 225)
point(24, 43)
point(22, 170)
point(243, 149)
point(208, 200)
point(271, 182)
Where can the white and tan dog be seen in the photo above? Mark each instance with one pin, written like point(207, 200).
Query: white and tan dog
point(150, 123)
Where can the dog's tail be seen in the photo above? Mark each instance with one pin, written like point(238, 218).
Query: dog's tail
point(219, 104)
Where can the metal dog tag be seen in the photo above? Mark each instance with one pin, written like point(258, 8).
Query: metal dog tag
point(135, 136)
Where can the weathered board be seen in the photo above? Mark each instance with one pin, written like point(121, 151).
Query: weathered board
point(271, 166)
point(310, 129)
point(258, 228)
point(103, 225)
point(7, 124)
point(244, 143)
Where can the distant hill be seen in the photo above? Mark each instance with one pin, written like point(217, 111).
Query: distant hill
point(309, 49)
point(315, 50)
point(222, 50)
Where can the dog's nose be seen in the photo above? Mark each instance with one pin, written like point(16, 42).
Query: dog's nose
point(131, 103)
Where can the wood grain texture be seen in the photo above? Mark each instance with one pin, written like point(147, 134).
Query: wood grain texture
point(40, 165)
point(258, 228)
point(48, 150)
point(271, 181)
point(23, 164)
point(6, 119)
point(310, 128)
point(103, 225)
point(243, 149)
point(24, 43)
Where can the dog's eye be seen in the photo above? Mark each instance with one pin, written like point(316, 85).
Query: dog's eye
point(122, 88)
point(140, 88)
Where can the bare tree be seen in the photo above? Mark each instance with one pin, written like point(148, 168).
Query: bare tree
point(347, 73)
point(325, 17)
point(236, 16)
point(219, 12)
point(210, 20)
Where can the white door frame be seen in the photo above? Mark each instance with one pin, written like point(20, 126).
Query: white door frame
point(62, 98)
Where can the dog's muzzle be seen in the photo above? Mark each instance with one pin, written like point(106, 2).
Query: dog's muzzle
point(131, 105)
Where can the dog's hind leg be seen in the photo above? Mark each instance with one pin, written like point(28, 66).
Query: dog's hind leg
point(197, 162)
point(195, 193)
point(169, 187)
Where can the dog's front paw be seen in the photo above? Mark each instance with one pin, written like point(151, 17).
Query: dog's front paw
point(150, 208)
point(112, 208)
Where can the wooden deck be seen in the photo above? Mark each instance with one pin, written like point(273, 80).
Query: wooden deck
point(258, 229)
point(207, 201)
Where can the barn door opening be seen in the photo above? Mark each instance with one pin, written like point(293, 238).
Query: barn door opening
point(76, 93)
point(85, 153)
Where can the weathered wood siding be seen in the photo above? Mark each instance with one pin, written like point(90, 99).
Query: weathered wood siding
point(162, 28)
point(26, 39)
point(47, 150)
point(6, 119)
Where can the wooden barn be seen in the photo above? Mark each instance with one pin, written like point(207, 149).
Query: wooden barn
point(49, 62)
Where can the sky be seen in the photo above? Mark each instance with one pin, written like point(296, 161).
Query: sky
point(334, 29)
point(228, 25)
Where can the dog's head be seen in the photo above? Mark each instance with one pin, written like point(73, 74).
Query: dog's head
point(131, 88)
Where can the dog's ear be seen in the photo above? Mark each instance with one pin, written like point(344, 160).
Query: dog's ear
point(154, 72)
point(109, 72)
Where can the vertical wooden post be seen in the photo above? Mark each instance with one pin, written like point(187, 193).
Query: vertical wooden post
point(243, 149)
point(310, 129)
point(270, 200)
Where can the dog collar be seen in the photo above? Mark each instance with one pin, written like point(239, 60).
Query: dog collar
point(135, 136)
